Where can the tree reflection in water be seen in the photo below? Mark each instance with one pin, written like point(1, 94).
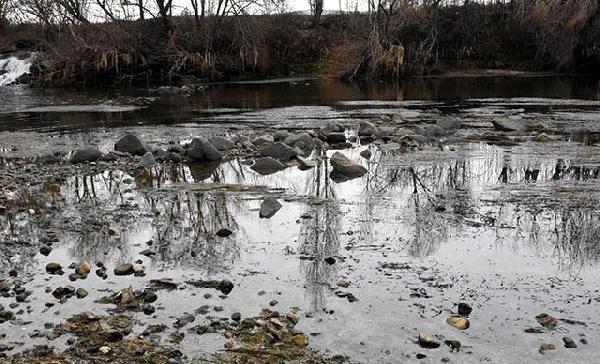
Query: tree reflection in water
point(319, 232)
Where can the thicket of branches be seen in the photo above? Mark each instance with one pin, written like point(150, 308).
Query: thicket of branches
point(91, 41)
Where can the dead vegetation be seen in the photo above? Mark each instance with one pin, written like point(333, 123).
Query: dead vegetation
point(102, 42)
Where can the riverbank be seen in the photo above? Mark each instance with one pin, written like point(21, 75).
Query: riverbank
point(431, 40)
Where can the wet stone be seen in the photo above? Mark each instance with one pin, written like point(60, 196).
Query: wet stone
point(545, 346)
point(53, 268)
point(124, 269)
point(427, 341)
point(224, 232)
point(569, 342)
point(269, 207)
point(464, 309)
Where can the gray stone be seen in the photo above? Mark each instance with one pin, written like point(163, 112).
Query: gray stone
point(201, 150)
point(130, 143)
point(332, 127)
point(366, 154)
point(222, 143)
point(280, 151)
point(267, 165)
point(344, 168)
point(262, 140)
point(367, 129)
point(280, 135)
point(147, 160)
point(301, 141)
point(269, 207)
point(124, 269)
point(449, 123)
point(334, 138)
point(517, 124)
point(86, 155)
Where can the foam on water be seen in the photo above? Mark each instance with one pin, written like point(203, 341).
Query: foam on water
point(12, 68)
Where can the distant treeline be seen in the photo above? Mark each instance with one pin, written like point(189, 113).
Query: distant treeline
point(226, 40)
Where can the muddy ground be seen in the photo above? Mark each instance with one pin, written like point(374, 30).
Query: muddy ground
point(463, 242)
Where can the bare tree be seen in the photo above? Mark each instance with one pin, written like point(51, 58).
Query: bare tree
point(75, 10)
point(316, 7)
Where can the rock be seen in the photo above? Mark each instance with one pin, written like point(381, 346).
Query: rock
point(546, 346)
point(458, 322)
point(366, 154)
point(104, 350)
point(147, 160)
point(449, 123)
point(86, 155)
point(262, 140)
point(305, 163)
point(583, 340)
point(81, 293)
point(267, 165)
point(280, 135)
point(224, 232)
point(344, 168)
point(130, 143)
point(569, 342)
point(300, 340)
point(332, 126)
point(149, 296)
point(49, 159)
point(454, 345)
point(517, 124)
point(464, 309)
point(83, 267)
point(432, 131)
point(273, 303)
point(546, 320)
point(343, 283)
point(53, 268)
point(427, 341)
point(367, 129)
point(124, 269)
point(280, 151)
point(301, 141)
point(329, 260)
point(184, 320)
point(225, 286)
point(63, 292)
point(45, 250)
point(110, 157)
point(386, 131)
point(420, 356)
point(269, 207)
point(228, 344)
point(201, 150)
point(236, 316)
point(334, 138)
point(542, 138)
point(222, 143)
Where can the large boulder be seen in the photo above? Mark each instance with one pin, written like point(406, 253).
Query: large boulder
point(267, 165)
point(222, 143)
point(335, 138)
point(130, 143)
point(269, 207)
point(344, 168)
point(332, 126)
point(280, 151)
point(280, 135)
point(90, 154)
point(301, 141)
point(201, 150)
point(262, 140)
point(367, 129)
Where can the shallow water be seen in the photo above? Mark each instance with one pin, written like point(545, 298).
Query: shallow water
point(510, 229)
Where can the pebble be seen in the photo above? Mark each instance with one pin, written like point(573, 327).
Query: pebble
point(458, 322)
point(464, 309)
point(124, 269)
point(546, 346)
point(427, 341)
point(53, 268)
point(81, 293)
point(569, 342)
point(300, 340)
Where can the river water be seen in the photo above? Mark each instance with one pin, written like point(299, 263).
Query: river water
point(510, 226)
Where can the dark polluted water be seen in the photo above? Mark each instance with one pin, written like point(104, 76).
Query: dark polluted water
point(505, 221)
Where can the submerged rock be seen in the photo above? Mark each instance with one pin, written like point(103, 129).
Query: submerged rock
point(224, 232)
point(517, 124)
point(201, 150)
point(86, 155)
point(366, 154)
point(130, 143)
point(269, 207)
point(344, 168)
point(267, 165)
point(147, 160)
